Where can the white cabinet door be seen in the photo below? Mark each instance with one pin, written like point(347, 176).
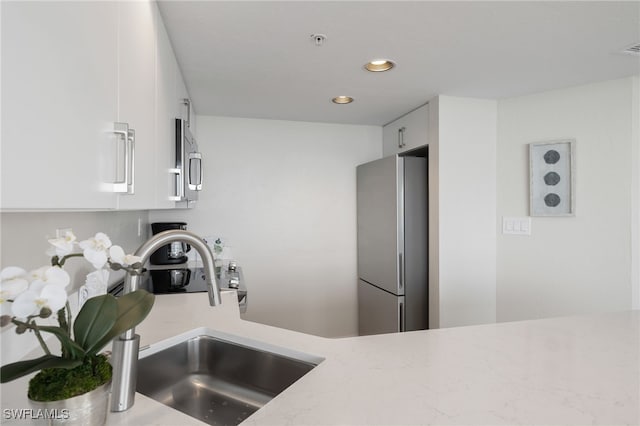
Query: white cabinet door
point(391, 137)
point(137, 95)
point(167, 110)
point(69, 72)
point(407, 132)
point(183, 107)
point(59, 86)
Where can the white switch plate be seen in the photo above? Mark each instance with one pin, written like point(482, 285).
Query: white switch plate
point(516, 225)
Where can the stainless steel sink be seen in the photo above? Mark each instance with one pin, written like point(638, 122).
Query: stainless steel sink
point(219, 381)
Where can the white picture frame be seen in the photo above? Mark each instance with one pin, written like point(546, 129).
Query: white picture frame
point(552, 178)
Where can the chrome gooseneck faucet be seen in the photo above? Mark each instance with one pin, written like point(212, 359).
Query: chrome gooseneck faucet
point(125, 347)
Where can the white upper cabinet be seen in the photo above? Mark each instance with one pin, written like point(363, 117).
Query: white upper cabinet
point(171, 93)
point(70, 72)
point(167, 110)
point(137, 96)
point(185, 109)
point(407, 132)
point(59, 103)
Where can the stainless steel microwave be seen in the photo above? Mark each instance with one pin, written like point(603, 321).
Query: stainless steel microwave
point(188, 171)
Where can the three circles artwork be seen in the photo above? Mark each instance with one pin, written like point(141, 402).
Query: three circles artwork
point(551, 178)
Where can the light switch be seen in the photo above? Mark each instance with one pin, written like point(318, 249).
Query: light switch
point(516, 225)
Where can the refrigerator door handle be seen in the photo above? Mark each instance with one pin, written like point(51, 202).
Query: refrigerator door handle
point(400, 273)
point(401, 325)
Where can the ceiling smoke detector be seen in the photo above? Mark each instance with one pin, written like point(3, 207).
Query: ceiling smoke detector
point(318, 39)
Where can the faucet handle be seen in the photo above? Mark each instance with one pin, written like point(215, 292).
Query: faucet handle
point(233, 266)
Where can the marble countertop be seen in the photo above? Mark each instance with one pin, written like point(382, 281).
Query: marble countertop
point(569, 371)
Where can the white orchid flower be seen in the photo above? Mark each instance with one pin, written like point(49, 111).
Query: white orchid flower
point(39, 296)
point(117, 255)
point(13, 281)
point(50, 275)
point(13, 274)
point(95, 249)
point(64, 245)
point(99, 242)
point(38, 274)
point(97, 258)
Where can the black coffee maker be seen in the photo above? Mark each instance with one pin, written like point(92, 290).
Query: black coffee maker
point(173, 253)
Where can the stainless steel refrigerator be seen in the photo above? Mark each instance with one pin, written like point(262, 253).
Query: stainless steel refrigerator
point(392, 209)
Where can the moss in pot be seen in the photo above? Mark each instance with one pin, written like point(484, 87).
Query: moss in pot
point(53, 384)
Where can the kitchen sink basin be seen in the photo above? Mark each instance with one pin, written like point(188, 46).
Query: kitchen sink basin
point(218, 380)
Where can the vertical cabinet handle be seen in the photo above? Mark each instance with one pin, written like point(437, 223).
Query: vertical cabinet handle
point(195, 171)
point(127, 136)
point(401, 137)
point(122, 131)
point(187, 102)
point(400, 272)
point(179, 180)
point(130, 162)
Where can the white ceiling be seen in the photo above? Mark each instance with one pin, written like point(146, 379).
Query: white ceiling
point(256, 59)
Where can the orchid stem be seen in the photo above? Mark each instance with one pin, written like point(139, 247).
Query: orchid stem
point(68, 317)
point(41, 340)
point(33, 326)
point(62, 319)
point(56, 261)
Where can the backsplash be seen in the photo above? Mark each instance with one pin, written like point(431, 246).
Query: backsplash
point(23, 237)
point(24, 243)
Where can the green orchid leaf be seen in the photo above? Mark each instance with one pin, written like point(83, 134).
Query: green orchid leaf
point(69, 347)
point(133, 308)
point(18, 369)
point(95, 320)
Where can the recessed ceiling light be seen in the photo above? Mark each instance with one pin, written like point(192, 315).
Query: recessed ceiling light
point(342, 100)
point(379, 65)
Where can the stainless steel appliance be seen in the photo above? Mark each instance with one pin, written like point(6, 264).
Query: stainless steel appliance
point(173, 253)
point(392, 210)
point(172, 280)
point(188, 170)
point(167, 280)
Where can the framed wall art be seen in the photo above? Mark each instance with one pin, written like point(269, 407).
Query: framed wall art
point(551, 178)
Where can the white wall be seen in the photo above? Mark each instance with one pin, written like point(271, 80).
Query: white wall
point(283, 195)
point(462, 204)
point(581, 264)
